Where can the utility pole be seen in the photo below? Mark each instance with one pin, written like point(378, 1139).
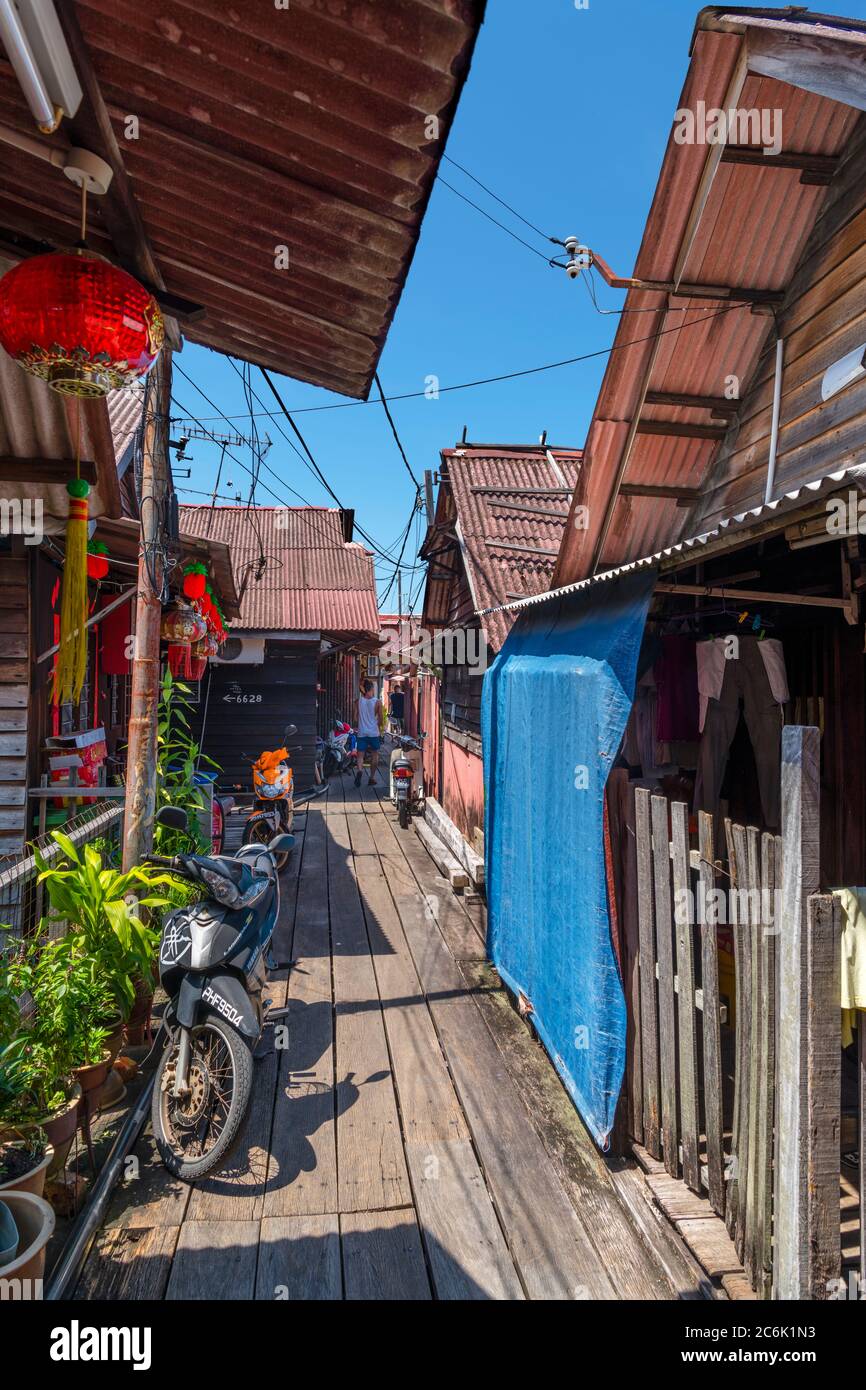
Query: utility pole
point(400, 617)
point(155, 487)
point(428, 495)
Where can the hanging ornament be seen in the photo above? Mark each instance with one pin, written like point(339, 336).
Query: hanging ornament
point(194, 579)
point(97, 560)
point(72, 657)
point(200, 652)
point(181, 626)
point(83, 325)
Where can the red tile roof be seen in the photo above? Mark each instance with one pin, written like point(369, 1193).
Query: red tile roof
point(511, 506)
point(314, 580)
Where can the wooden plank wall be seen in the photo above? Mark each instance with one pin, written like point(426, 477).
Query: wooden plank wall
point(823, 317)
point(14, 687)
point(683, 1115)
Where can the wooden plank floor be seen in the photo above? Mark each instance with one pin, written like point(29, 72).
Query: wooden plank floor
point(406, 1138)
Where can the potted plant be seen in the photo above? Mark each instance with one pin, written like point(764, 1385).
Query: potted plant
point(34, 1223)
point(102, 909)
point(34, 1090)
point(25, 1152)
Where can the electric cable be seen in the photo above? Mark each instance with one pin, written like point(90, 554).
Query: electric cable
point(394, 432)
point(491, 218)
point(502, 202)
point(513, 376)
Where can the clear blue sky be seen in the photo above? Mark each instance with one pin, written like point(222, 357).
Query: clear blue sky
point(566, 115)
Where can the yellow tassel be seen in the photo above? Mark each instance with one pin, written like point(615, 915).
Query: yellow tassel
point(71, 665)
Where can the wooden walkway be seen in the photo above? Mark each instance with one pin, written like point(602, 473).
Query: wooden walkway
point(411, 1141)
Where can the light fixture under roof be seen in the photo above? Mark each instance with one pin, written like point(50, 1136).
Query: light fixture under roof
point(31, 34)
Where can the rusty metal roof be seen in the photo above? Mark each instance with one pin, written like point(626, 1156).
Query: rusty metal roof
point(745, 228)
point(510, 506)
point(765, 519)
point(306, 127)
point(313, 581)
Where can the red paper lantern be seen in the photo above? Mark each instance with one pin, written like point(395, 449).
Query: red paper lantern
point(97, 566)
point(80, 323)
point(193, 584)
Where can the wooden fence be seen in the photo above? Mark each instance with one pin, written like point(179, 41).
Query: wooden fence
point(706, 1073)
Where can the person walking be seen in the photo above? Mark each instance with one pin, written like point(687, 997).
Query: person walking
point(369, 737)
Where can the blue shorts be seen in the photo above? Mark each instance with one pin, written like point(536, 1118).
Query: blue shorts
point(367, 742)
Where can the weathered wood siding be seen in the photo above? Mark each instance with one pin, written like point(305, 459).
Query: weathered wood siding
point(14, 705)
point(248, 709)
point(823, 317)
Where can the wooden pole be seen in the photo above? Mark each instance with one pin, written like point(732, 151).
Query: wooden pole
point(823, 1093)
point(800, 869)
point(141, 757)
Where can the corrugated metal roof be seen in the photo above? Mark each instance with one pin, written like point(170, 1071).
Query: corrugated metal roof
point(314, 580)
point(680, 551)
point(511, 505)
point(750, 235)
point(260, 127)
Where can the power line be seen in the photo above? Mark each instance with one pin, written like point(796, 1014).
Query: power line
point(502, 202)
point(394, 432)
point(513, 376)
point(494, 220)
point(270, 470)
point(306, 448)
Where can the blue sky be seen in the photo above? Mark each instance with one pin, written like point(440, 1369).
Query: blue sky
point(565, 114)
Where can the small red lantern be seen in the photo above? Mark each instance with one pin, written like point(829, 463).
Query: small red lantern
point(194, 580)
point(181, 626)
point(97, 560)
point(80, 323)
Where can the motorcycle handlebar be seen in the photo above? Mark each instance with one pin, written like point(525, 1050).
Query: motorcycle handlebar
point(162, 861)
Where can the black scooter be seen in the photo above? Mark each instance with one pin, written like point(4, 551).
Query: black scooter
point(212, 967)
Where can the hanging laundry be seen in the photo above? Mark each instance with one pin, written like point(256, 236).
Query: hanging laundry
point(676, 674)
point(752, 671)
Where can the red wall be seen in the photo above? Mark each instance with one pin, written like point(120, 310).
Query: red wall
point(463, 787)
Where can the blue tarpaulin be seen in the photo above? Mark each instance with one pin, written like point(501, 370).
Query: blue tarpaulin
point(555, 705)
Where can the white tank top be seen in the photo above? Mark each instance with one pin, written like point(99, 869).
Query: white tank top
point(368, 726)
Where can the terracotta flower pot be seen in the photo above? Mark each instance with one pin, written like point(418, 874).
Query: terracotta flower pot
point(35, 1222)
point(31, 1181)
point(91, 1079)
point(138, 1023)
point(93, 1075)
point(114, 1041)
point(60, 1128)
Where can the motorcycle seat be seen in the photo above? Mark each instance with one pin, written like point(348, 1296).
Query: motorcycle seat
point(257, 860)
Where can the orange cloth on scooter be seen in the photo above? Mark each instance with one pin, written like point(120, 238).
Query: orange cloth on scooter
point(268, 761)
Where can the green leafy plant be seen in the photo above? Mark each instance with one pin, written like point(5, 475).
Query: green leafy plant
point(102, 908)
point(178, 758)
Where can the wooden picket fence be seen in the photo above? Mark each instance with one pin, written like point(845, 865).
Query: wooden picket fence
point(706, 1096)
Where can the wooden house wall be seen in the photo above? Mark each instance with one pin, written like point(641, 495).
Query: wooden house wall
point(248, 708)
point(823, 317)
point(15, 653)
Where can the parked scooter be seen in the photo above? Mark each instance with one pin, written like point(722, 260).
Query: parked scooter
point(212, 967)
point(407, 776)
point(273, 807)
point(339, 749)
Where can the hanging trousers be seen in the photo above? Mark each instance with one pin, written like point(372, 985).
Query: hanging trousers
point(745, 679)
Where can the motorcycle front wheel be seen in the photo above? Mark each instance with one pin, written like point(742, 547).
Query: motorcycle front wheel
point(261, 832)
point(194, 1133)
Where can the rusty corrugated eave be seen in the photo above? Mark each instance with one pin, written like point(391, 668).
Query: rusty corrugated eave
point(261, 128)
point(753, 229)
